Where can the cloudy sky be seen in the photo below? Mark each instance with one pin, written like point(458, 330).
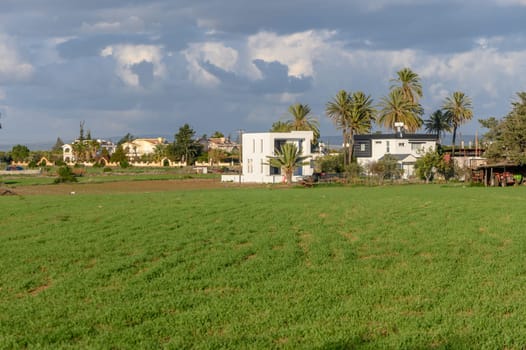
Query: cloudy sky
point(149, 66)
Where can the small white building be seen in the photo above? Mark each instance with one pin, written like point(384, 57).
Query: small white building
point(257, 147)
point(405, 148)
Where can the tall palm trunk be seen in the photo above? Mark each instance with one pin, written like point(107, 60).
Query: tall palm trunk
point(351, 147)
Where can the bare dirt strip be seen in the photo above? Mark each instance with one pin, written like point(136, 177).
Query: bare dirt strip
point(122, 187)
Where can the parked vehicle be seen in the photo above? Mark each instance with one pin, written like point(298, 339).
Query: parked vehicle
point(14, 168)
point(504, 179)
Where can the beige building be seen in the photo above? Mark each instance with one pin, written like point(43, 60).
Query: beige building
point(140, 147)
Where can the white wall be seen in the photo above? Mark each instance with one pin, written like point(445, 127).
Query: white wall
point(256, 147)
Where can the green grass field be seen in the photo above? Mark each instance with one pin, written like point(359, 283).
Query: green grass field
point(98, 176)
point(324, 268)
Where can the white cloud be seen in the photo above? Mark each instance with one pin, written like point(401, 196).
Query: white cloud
point(298, 51)
point(215, 53)
point(129, 55)
point(12, 66)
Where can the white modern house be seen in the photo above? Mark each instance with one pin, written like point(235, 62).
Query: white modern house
point(257, 147)
point(405, 148)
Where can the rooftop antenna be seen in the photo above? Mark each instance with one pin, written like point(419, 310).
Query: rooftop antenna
point(399, 128)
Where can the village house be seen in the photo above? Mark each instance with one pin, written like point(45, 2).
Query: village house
point(257, 147)
point(139, 147)
point(221, 143)
point(405, 148)
point(68, 154)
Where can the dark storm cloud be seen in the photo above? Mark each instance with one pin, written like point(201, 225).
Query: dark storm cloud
point(274, 79)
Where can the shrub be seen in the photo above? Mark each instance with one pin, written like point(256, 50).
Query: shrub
point(107, 170)
point(65, 174)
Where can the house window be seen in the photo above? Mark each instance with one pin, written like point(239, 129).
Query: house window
point(378, 142)
point(401, 144)
point(261, 145)
point(416, 146)
point(253, 146)
point(261, 166)
point(387, 148)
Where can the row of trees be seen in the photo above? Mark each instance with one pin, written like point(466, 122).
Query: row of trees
point(356, 113)
point(185, 147)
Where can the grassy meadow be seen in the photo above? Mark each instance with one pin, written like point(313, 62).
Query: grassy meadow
point(323, 268)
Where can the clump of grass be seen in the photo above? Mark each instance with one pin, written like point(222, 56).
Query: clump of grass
point(65, 174)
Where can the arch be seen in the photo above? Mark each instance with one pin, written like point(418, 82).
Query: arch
point(166, 162)
point(44, 162)
point(103, 162)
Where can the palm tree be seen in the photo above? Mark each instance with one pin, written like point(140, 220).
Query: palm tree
point(339, 110)
point(409, 84)
point(437, 123)
point(280, 126)
point(287, 158)
point(159, 152)
point(353, 114)
point(459, 109)
point(361, 118)
point(302, 120)
point(397, 108)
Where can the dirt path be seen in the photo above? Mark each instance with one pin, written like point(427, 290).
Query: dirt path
point(121, 187)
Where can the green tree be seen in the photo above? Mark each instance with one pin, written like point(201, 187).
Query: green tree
point(20, 153)
point(119, 155)
point(280, 126)
point(386, 168)
point(159, 152)
point(216, 155)
point(362, 115)
point(408, 82)
point(397, 108)
point(438, 123)
point(353, 113)
point(506, 138)
point(428, 164)
point(287, 158)
point(92, 149)
point(459, 109)
point(217, 134)
point(302, 120)
point(339, 111)
point(126, 138)
point(65, 174)
point(81, 131)
point(331, 163)
point(57, 147)
point(79, 150)
point(185, 147)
